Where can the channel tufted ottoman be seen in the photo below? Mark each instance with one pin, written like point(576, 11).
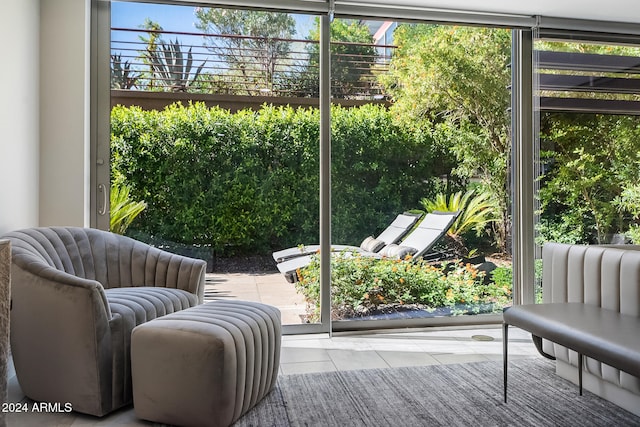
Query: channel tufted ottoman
point(206, 365)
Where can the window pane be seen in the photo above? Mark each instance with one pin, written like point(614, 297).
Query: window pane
point(589, 142)
point(215, 127)
point(420, 122)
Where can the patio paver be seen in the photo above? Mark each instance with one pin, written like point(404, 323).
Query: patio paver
point(271, 288)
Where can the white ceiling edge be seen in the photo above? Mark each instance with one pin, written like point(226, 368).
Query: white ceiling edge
point(615, 11)
point(627, 11)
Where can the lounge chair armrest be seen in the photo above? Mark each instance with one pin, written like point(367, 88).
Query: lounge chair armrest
point(183, 273)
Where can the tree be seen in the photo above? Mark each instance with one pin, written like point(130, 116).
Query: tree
point(152, 41)
point(629, 202)
point(352, 58)
point(457, 78)
point(589, 160)
point(254, 44)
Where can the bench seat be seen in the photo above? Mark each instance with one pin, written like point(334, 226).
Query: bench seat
point(605, 335)
point(607, 277)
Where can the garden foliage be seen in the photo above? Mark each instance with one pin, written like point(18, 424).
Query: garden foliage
point(476, 209)
point(362, 286)
point(248, 182)
point(257, 56)
point(122, 210)
point(588, 162)
point(352, 59)
point(456, 79)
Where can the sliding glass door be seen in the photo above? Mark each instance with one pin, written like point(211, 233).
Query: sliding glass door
point(420, 126)
point(237, 145)
point(589, 139)
point(215, 133)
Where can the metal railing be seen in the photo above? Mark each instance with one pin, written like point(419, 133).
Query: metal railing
point(150, 60)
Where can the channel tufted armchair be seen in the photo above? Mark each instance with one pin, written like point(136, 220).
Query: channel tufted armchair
point(77, 293)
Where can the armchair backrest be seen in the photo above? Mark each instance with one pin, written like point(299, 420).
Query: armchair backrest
point(110, 259)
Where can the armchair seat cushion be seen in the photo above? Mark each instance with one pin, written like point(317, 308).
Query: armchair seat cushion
point(142, 304)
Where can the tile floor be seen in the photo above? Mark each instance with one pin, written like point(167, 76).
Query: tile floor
point(346, 351)
point(319, 352)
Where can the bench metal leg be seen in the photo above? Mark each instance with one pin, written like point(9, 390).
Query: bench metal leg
point(505, 345)
point(538, 343)
point(580, 372)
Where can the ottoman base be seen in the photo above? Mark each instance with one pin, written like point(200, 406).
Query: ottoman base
point(206, 365)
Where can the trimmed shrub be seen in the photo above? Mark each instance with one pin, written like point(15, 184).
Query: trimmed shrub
point(248, 182)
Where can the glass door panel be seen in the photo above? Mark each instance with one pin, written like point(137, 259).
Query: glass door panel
point(420, 125)
point(215, 129)
point(589, 141)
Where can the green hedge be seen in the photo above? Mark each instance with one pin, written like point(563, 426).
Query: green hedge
point(248, 182)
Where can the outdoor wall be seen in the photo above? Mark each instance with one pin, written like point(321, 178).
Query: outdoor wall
point(64, 112)
point(233, 103)
point(19, 130)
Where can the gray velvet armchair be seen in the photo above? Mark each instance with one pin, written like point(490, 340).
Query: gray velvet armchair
point(76, 295)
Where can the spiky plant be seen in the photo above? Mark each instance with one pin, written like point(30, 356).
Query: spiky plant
point(123, 209)
point(476, 211)
point(122, 77)
point(171, 69)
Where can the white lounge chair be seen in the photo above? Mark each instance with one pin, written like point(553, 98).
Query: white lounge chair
point(422, 238)
point(392, 234)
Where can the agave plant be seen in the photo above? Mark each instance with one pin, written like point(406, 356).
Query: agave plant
point(171, 69)
point(123, 209)
point(121, 75)
point(476, 211)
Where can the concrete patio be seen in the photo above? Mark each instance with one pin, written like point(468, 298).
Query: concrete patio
point(268, 288)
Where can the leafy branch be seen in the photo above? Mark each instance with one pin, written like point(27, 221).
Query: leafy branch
point(123, 209)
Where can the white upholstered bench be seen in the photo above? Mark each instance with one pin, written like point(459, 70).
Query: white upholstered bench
point(589, 318)
point(207, 365)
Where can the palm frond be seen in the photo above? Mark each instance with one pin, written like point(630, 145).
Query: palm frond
point(476, 210)
point(123, 209)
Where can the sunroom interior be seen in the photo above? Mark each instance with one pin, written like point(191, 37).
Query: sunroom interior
point(56, 128)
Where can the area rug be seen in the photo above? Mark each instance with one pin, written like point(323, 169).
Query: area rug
point(5, 299)
point(442, 395)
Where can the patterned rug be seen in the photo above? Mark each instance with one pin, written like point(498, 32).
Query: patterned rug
point(5, 298)
point(442, 395)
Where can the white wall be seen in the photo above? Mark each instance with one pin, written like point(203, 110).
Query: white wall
point(19, 115)
point(64, 112)
point(44, 115)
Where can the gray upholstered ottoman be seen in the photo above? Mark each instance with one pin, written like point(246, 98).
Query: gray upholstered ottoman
point(206, 365)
